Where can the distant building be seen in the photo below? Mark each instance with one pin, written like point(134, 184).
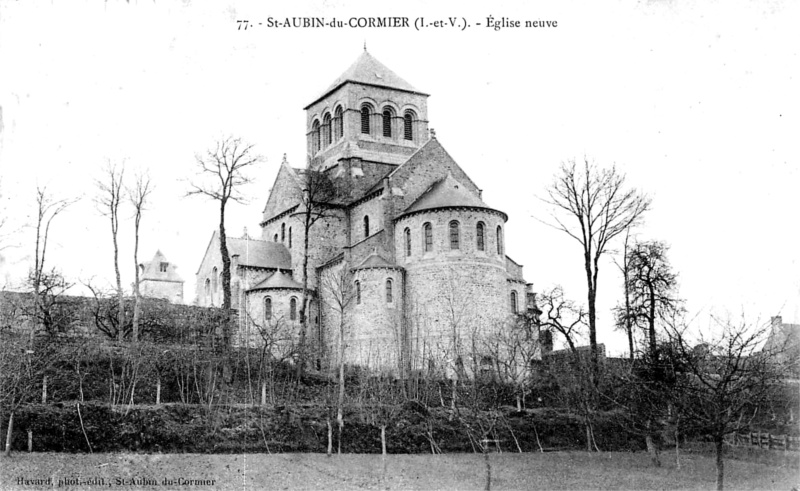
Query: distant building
point(160, 279)
point(783, 342)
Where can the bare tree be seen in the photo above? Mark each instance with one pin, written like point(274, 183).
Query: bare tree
point(138, 196)
point(624, 314)
point(108, 199)
point(339, 291)
point(222, 172)
point(318, 190)
point(599, 208)
point(724, 379)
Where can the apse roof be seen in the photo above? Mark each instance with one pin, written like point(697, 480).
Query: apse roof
point(277, 280)
point(375, 260)
point(369, 71)
point(446, 193)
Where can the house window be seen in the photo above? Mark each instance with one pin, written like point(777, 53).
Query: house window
point(267, 308)
point(214, 282)
point(408, 128)
point(338, 126)
point(358, 292)
point(366, 226)
point(454, 238)
point(293, 309)
point(499, 240)
point(428, 236)
point(290, 237)
point(513, 302)
point(366, 112)
point(389, 298)
point(315, 139)
point(387, 122)
point(479, 236)
point(326, 129)
point(408, 242)
point(283, 232)
point(162, 267)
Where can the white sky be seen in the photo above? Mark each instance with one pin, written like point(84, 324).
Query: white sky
point(698, 104)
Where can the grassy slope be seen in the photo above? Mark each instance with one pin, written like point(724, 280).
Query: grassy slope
point(563, 470)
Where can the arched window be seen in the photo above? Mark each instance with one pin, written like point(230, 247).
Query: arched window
point(338, 123)
point(479, 236)
point(366, 113)
point(499, 240)
point(315, 140)
point(267, 308)
point(208, 291)
point(366, 226)
point(358, 292)
point(513, 302)
point(290, 237)
point(275, 238)
point(408, 125)
point(388, 114)
point(408, 241)
point(326, 129)
point(293, 309)
point(454, 235)
point(283, 232)
point(214, 283)
point(389, 297)
point(428, 236)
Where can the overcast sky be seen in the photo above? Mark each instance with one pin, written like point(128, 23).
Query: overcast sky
point(697, 104)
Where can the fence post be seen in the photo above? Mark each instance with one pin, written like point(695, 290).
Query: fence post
point(785, 442)
point(769, 440)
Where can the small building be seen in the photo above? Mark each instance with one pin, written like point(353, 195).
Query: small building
point(160, 279)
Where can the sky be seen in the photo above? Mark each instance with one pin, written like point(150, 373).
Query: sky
point(695, 102)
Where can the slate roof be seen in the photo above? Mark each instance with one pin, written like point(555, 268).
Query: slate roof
point(260, 253)
point(277, 280)
point(446, 193)
point(152, 269)
point(367, 70)
point(375, 260)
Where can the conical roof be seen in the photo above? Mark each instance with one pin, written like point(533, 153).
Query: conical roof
point(277, 280)
point(375, 260)
point(369, 71)
point(447, 193)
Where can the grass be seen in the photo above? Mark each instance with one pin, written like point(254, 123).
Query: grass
point(550, 471)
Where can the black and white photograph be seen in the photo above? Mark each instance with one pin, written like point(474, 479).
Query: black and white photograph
point(399, 245)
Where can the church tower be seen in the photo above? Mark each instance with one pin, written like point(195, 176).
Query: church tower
point(368, 114)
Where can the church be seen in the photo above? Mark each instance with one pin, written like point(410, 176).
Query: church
point(406, 263)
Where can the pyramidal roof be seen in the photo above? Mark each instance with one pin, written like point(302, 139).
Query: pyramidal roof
point(447, 193)
point(152, 270)
point(277, 280)
point(369, 71)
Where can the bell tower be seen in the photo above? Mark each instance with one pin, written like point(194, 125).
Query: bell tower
point(368, 113)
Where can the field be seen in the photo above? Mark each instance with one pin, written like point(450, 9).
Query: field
point(561, 470)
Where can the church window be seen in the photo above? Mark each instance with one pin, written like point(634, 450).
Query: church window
point(290, 237)
point(387, 122)
point(293, 309)
point(366, 226)
point(408, 242)
point(208, 291)
point(358, 292)
point(499, 240)
point(326, 129)
point(428, 235)
point(513, 302)
point(408, 125)
point(479, 235)
point(214, 283)
point(389, 298)
point(283, 232)
point(338, 123)
point(315, 140)
point(366, 113)
point(275, 239)
point(454, 235)
point(162, 267)
point(267, 308)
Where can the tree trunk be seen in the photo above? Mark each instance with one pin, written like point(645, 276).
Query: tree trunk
point(303, 305)
point(44, 389)
point(383, 449)
point(488, 466)
point(9, 434)
point(330, 436)
point(120, 295)
point(30, 440)
point(226, 274)
point(158, 391)
point(652, 449)
point(263, 392)
point(588, 438)
point(720, 464)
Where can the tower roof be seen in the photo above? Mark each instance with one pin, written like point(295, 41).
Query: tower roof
point(153, 270)
point(369, 71)
point(447, 193)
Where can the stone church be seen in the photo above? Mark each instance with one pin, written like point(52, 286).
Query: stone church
point(404, 259)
